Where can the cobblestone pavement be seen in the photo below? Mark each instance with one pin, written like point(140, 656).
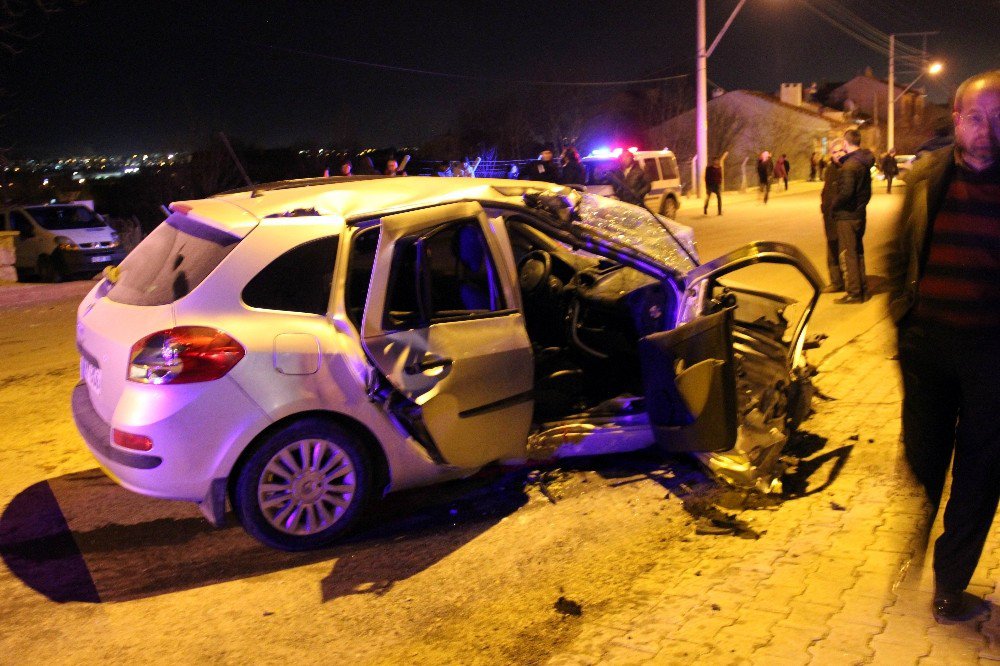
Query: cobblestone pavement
point(839, 573)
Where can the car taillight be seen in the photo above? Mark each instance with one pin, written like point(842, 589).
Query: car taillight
point(183, 355)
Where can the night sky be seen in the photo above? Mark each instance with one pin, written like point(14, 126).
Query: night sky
point(138, 76)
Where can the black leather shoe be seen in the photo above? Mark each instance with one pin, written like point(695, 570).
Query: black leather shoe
point(950, 606)
point(831, 289)
point(849, 300)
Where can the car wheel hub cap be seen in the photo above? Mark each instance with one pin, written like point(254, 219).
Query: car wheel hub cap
point(306, 487)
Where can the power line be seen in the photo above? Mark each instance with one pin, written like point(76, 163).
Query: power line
point(469, 77)
point(860, 30)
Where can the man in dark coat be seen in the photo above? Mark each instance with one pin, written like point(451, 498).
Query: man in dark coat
point(854, 190)
point(944, 279)
point(631, 183)
point(889, 169)
point(544, 168)
point(837, 150)
point(713, 184)
point(765, 171)
point(573, 172)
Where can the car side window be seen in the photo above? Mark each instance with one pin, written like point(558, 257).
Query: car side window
point(360, 264)
point(444, 274)
point(669, 168)
point(297, 281)
point(649, 166)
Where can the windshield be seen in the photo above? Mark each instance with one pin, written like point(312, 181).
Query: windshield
point(57, 218)
point(635, 227)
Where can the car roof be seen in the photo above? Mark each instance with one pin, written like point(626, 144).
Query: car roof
point(347, 198)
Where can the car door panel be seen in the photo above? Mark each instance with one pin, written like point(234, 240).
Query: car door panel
point(468, 374)
point(690, 382)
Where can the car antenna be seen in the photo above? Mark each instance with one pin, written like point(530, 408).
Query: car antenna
point(239, 165)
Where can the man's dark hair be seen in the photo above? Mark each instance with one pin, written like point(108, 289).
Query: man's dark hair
point(853, 137)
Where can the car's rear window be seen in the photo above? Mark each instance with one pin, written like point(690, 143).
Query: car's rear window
point(170, 262)
point(58, 218)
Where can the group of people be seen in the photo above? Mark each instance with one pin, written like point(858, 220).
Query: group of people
point(630, 182)
point(770, 170)
point(817, 166)
point(944, 282)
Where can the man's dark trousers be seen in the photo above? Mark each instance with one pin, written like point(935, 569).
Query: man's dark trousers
point(951, 378)
point(850, 234)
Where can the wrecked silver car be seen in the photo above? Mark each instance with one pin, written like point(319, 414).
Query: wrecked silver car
point(298, 349)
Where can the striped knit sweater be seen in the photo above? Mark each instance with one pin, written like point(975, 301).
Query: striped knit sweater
point(960, 286)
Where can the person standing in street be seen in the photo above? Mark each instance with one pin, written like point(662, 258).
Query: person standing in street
point(944, 270)
point(779, 171)
point(765, 172)
point(849, 209)
point(786, 169)
point(573, 172)
point(889, 169)
point(713, 184)
point(544, 168)
point(826, 197)
point(630, 182)
point(813, 167)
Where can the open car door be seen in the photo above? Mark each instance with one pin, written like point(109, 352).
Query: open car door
point(690, 382)
point(443, 325)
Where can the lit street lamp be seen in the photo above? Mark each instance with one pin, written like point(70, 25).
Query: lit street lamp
point(890, 125)
point(701, 86)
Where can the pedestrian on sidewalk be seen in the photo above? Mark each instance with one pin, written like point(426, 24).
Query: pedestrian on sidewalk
point(813, 167)
point(713, 184)
point(779, 171)
point(765, 172)
point(889, 169)
point(945, 282)
point(826, 197)
point(786, 169)
point(849, 207)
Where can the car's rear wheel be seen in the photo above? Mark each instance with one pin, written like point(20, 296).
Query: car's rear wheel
point(669, 208)
point(304, 486)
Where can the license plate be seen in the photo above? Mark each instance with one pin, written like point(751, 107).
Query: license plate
point(100, 258)
point(91, 374)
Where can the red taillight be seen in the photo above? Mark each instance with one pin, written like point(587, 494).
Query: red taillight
point(183, 355)
point(129, 440)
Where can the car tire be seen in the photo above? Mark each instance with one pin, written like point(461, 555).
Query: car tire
point(669, 208)
point(283, 495)
point(48, 269)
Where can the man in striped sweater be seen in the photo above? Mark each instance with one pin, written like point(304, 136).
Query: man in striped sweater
point(945, 279)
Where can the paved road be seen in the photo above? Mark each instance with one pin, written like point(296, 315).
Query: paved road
point(597, 562)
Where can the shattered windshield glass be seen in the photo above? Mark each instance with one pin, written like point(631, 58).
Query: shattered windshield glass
point(638, 228)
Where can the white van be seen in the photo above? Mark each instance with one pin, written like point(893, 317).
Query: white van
point(61, 240)
point(660, 167)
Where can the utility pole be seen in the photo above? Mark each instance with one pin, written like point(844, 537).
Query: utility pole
point(701, 89)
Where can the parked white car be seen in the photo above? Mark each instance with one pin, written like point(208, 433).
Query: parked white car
point(300, 349)
point(56, 241)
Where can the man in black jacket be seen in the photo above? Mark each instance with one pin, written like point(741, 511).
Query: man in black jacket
point(945, 298)
point(854, 189)
point(829, 193)
point(630, 182)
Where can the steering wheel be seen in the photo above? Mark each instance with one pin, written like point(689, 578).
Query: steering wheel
point(533, 271)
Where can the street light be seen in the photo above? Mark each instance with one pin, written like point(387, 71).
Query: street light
point(701, 85)
point(890, 125)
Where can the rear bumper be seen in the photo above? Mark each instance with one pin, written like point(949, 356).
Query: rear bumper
point(96, 432)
